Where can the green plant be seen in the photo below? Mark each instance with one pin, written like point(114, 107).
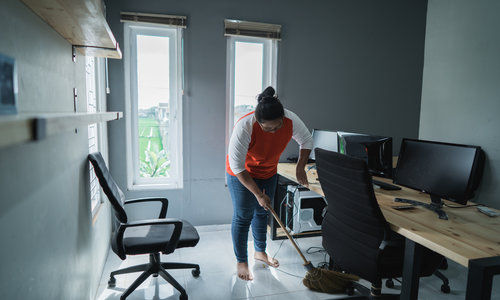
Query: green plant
point(155, 164)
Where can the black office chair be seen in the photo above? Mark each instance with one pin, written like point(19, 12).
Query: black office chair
point(355, 233)
point(146, 236)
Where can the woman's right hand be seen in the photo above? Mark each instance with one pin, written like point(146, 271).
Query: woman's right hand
point(264, 200)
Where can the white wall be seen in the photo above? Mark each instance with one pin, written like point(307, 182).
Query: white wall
point(461, 90)
point(49, 247)
point(342, 65)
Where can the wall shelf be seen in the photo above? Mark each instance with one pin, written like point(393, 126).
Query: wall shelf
point(22, 128)
point(81, 23)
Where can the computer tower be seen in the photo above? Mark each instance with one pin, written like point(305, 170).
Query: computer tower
point(304, 210)
point(279, 202)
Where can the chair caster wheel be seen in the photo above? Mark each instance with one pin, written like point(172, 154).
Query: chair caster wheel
point(155, 275)
point(183, 297)
point(112, 282)
point(196, 273)
point(445, 289)
point(389, 283)
point(349, 290)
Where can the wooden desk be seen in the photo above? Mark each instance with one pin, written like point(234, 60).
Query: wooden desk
point(469, 237)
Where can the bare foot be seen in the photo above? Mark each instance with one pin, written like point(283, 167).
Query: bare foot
point(243, 271)
point(262, 256)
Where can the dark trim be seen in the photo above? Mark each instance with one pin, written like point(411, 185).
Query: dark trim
point(253, 33)
point(480, 277)
point(39, 128)
point(180, 21)
point(411, 270)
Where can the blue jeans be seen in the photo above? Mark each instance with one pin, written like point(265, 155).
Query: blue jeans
point(246, 211)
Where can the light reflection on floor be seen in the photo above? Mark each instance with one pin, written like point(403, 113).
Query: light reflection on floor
point(218, 279)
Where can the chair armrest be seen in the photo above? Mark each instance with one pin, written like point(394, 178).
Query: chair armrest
point(152, 222)
point(164, 204)
point(391, 239)
point(172, 243)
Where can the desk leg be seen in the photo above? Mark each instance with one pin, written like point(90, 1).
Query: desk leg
point(411, 270)
point(480, 277)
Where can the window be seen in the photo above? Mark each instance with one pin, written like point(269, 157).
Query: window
point(252, 66)
point(154, 93)
point(93, 129)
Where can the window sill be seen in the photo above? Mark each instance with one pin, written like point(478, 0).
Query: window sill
point(152, 186)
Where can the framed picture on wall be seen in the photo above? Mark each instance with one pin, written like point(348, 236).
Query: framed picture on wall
point(8, 85)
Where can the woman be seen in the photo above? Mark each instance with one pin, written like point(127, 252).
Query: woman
point(255, 147)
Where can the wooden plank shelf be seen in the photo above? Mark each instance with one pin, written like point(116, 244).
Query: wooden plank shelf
point(22, 128)
point(81, 23)
point(100, 52)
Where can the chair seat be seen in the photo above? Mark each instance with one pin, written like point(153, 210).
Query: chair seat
point(152, 239)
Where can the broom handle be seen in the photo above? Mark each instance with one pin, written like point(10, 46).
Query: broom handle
point(288, 235)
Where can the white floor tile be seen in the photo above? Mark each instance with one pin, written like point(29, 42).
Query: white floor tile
point(301, 295)
point(222, 285)
point(212, 228)
point(152, 288)
point(214, 254)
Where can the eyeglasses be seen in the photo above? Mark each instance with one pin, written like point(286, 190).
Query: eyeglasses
point(271, 126)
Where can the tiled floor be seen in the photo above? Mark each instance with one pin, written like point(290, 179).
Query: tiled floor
point(218, 280)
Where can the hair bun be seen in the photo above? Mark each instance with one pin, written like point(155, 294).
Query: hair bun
point(269, 92)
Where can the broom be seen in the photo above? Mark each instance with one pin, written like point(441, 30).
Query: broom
point(318, 279)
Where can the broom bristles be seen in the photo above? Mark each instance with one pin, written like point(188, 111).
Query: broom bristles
point(328, 281)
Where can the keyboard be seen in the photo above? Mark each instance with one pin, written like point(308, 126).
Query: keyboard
point(386, 186)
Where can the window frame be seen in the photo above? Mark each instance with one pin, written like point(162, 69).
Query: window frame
point(132, 30)
point(269, 72)
point(99, 83)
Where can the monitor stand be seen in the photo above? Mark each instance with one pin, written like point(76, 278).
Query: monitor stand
point(436, 205)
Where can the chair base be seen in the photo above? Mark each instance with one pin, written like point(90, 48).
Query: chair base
point(155, 267)
point(445, 287)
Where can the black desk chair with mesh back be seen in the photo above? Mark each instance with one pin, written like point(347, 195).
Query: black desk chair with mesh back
point(355, 233)
point(153, 236)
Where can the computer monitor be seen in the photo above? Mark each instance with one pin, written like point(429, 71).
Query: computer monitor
point(324, 139)
point(375, 150)
point(442, 170)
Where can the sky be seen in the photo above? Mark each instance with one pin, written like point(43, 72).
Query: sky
point(248, 72)
point(152, 70)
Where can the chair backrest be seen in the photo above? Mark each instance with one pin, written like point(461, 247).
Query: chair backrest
point(109, 186)
point(354, 225)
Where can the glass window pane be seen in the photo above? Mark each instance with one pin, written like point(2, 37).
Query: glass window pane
point(248, 67)
point(153, 88)
point(90, 82)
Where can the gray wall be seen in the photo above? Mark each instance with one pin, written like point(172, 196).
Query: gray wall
point(49, 247)
point(461, 83)
point(343, 65)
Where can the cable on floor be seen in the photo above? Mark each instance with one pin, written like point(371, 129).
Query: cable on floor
point(323, 264)
point(319, 249)
point(290, 274)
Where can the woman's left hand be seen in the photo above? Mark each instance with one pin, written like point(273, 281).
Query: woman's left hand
point(302, 177)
